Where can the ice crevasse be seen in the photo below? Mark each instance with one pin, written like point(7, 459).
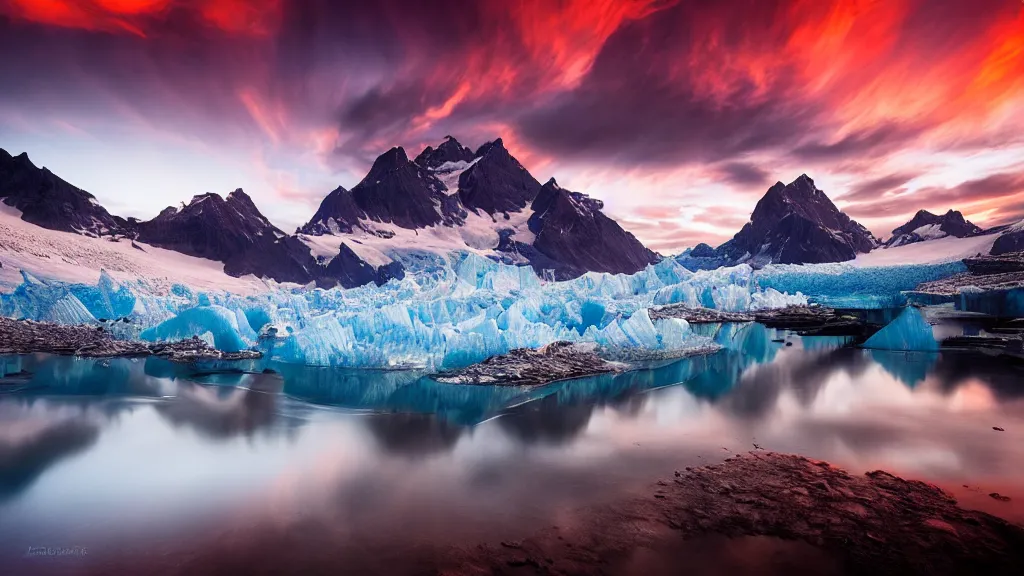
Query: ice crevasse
point(449, 311)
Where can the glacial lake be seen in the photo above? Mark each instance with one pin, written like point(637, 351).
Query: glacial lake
point(128, 462)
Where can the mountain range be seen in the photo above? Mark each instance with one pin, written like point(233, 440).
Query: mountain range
point(452, 198)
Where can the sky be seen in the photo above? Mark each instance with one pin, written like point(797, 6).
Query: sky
point(677, 114)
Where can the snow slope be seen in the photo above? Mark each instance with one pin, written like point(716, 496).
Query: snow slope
point(75, 258)
point(942, 250)
point(380, 243)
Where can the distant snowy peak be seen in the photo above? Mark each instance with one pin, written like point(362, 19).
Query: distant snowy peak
point(449, 151)
point(796, 223)
point(233, 231)
point(48, 201)
point(927, 226)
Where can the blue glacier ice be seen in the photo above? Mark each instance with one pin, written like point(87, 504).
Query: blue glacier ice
point(456, 309)
point(844, 285)
point(222, 328)
point(909, 331)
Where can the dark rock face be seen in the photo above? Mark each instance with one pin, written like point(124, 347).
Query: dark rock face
point(497, 182)
point(232, 231)
point(46, 200)
point(1012, 240)
point(396, 191)
point(571, 230)
point(348, 270)
point(951, 223)
point(448, 151)
point(797, 224)
point(338, 212)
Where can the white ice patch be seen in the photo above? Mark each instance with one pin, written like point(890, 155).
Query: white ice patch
point(328, 246)
point(930, 232)
point(449, 172)
point(479, 235)
point(947, 249)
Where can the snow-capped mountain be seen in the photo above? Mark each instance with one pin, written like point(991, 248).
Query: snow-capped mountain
point(796, 223)
point(484, 202)
point(927, 226)
point(45, 200)
point(233, 231)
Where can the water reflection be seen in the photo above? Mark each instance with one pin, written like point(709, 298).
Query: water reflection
point(148, 442)
point(28, 448)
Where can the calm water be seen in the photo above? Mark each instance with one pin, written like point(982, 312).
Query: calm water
point(142, 458)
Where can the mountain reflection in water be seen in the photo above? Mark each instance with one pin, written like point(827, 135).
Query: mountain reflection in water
point(102, 453)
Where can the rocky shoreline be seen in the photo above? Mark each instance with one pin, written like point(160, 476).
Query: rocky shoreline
point(28, 337)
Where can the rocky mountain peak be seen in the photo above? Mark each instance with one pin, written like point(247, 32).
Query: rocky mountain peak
point(497, 182)
point(448, 151)
point(48, 201)
point(796, 223)
point(390, 161)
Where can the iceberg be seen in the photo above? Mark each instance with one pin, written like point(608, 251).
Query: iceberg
point(909, 331)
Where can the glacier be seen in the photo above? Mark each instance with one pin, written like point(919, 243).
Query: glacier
point(455, 309)
point(845, 285)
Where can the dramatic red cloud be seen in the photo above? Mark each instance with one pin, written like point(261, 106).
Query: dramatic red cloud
point(141, 17)
point(891, 105)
